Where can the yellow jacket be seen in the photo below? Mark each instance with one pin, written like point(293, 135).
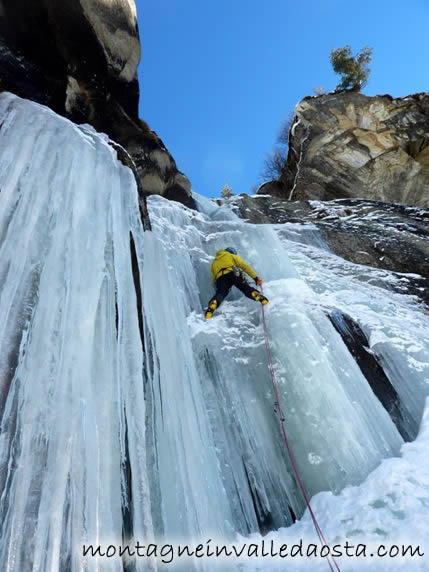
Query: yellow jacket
point(225, 262)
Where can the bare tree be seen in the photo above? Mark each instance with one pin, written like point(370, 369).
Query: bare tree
point(254, 189)
point(283, 134)
point(274, 164)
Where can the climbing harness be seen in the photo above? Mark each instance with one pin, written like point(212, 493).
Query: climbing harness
point(286, 441)
point(224, 271)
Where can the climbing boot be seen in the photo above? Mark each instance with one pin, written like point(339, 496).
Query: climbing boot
point(258, 297)
point(212, 307)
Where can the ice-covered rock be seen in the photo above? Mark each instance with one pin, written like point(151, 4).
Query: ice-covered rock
point(370, 233)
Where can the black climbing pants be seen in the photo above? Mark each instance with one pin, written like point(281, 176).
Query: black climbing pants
point(226, 282)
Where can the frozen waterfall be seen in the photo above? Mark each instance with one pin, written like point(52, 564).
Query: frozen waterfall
point(124, 415)
point(73, 407)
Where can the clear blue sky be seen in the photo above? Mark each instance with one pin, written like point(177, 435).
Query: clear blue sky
point(217, 78)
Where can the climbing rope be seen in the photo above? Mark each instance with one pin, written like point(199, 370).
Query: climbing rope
point(286, 441)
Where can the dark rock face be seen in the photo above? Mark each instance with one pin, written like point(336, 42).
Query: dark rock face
point(65, 41)
point(388, 236)
point(348, 145)
point(80, 58)
point(358, 345)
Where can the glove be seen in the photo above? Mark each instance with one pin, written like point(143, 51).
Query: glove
point(258, 281)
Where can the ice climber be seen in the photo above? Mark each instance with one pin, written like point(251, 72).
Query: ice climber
point(227, 271)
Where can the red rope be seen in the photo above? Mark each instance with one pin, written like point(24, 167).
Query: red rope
point(286, 440)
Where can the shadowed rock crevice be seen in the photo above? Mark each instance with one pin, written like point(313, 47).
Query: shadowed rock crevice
point(358, 345)
point(263, 516)
point(136, 278)
point(127, 502)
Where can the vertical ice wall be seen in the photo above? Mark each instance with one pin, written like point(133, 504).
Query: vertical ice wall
point(338, 427)
point(71, 356)
point(394, 324)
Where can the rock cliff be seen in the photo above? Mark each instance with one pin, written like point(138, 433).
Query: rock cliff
point(391, 237)
point(80, 58)
point(348, 145)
